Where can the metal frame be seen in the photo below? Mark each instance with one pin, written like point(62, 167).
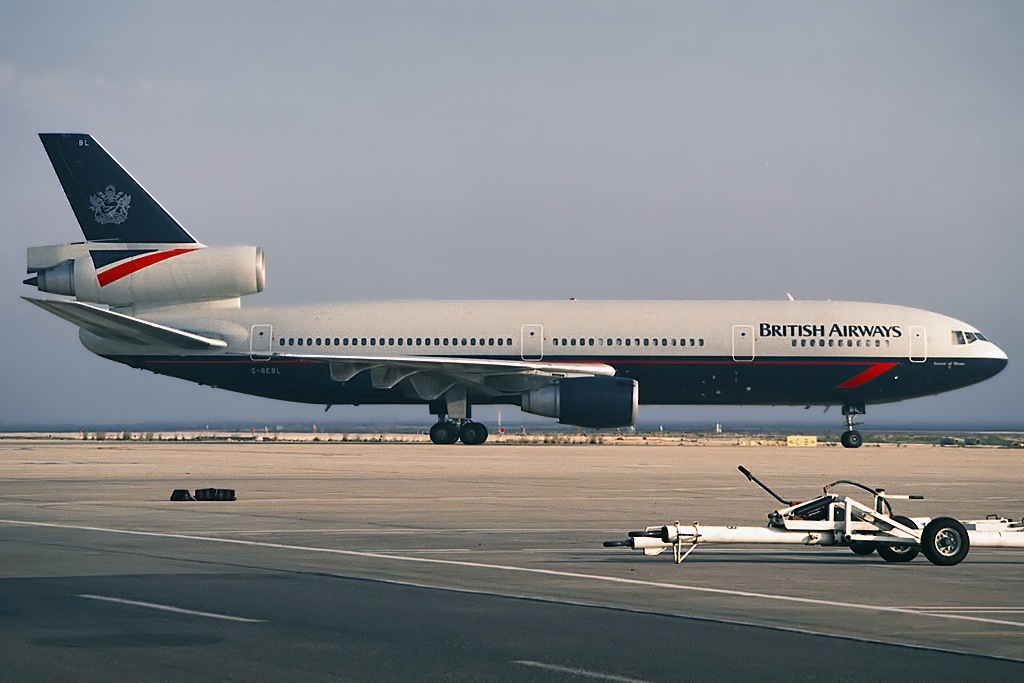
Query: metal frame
point(837, 520)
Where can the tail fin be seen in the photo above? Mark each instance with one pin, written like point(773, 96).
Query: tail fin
point(109, 204)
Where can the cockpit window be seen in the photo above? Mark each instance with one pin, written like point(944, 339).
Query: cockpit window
point(961, 337)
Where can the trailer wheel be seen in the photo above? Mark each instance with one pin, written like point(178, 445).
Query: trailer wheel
point(862, 547)
point(945, 541)
point(899, 553)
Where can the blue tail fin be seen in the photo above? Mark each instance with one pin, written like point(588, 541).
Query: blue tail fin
point(108, 203)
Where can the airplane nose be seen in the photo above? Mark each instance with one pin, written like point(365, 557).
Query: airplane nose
point(999, 354)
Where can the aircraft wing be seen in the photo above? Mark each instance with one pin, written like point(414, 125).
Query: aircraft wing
point(110, 324)
point(431, 376)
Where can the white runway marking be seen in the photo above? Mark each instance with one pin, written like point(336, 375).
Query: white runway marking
point(168, 608)
point(582, 673)
point(833, 604)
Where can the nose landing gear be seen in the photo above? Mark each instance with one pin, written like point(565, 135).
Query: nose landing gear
point(851, 438)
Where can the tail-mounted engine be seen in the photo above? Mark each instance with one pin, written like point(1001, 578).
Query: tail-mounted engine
point(147, 274)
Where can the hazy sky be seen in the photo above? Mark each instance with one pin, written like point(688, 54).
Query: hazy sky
point(868, 151)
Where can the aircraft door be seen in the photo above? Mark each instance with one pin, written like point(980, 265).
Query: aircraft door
point(261, 342)
point(532, 342)
point(743, 343)
point(918, 344)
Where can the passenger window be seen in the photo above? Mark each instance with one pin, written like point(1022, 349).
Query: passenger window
point(500, 340)
point(490, 341)
point(472, 342)
point(291, 341)
point(794, 342)
point(373, 341)
point(300, 341)
point(419, 341)
point(400, 340)
point(318, 341)
point(391, 341)
point(590, 342)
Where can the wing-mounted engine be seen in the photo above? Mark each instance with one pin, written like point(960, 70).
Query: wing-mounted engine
point(147, 274)
point(596, 402)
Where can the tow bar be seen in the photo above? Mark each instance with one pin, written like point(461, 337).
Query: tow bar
point(834, 519)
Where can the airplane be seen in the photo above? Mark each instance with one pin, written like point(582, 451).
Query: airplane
point(144, 292)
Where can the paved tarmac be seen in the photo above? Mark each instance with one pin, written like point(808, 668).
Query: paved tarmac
point(366, 562)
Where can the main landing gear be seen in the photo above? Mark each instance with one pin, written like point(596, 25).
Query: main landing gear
point(448, 431)
point(453, 420)
point(851, 438)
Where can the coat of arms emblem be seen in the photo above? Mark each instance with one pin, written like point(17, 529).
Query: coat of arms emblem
point(110, 206)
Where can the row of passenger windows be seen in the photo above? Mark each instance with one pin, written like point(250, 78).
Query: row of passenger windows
point(396, 341)
point(479, 341)
point(842, 342)
point(601, 341)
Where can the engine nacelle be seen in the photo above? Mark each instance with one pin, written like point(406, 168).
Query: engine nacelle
point(155, 274)
point(596, 402)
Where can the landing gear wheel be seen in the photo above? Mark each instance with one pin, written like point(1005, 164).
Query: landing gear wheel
point(444, 432)
point(899, 553)
point(862, 547)
point(473, 433)
point(945, 541)
point(851, 439)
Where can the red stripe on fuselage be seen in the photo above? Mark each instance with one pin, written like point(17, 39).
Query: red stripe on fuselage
point(871, 373)
point(126, 268)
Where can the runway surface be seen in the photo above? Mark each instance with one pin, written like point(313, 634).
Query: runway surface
point(390, 562)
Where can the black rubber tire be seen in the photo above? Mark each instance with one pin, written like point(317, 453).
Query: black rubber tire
point(862, 547)
point(444, 433)
point(851, 439)
point(945, 541)
point(899, 553)
point(473, 433)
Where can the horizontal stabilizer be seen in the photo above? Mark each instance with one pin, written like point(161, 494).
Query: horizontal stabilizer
point(112, 325)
